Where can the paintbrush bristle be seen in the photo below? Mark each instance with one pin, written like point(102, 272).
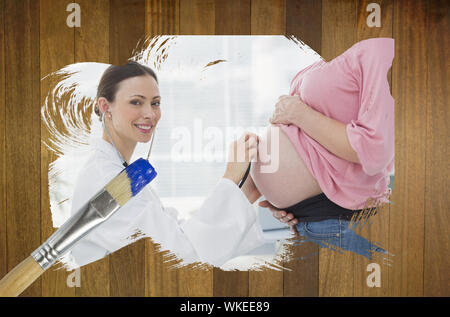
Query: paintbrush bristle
point(131, 181)
point(120, 189)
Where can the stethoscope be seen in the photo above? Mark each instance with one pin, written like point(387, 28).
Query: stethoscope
point(245, 175)
point(124, 163)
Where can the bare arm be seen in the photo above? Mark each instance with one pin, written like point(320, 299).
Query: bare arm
point(250, 190)
point(330, 133)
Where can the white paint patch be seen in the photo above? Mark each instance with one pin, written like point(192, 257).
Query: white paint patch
point(65, 115)
point(240, 90)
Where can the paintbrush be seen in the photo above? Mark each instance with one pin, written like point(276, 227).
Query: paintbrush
point(96, 211)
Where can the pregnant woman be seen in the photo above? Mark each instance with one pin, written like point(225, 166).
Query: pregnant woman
point(336, 146)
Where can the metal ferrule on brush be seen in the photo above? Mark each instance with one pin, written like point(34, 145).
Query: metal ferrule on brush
point(92, 214)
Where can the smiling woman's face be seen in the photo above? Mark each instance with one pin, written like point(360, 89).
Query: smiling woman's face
point(135, 111)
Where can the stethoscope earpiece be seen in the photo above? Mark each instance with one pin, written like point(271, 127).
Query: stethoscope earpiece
point(124, 163)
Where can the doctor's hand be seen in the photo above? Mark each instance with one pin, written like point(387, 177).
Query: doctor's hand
point(289, 110)
point(279, 214)
point(250, 191)
point(241, 152)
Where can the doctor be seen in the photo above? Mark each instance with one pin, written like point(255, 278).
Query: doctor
point(224, 227)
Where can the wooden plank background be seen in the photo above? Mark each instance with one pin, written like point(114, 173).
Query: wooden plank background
point(3, 241)
point(436, 244)
point(22, 125)
point(35, 40)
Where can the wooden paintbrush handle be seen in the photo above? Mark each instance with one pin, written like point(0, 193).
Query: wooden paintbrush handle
point(20, 277)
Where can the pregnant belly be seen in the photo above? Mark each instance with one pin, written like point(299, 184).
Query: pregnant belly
point(280, 174)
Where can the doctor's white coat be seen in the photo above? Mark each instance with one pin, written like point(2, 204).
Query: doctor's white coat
point(225, 226)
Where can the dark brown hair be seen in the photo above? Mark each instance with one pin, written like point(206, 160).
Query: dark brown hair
point(113, 75)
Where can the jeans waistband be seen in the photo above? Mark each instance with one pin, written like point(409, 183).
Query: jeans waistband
point(318, 208)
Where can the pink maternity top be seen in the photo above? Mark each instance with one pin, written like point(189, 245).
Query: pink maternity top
point(353, 89)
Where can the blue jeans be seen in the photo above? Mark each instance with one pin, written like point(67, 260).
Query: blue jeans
point(336, 234)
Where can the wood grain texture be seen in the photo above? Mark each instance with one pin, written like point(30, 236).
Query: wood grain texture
point(161, 281)
point(338, 27)
point(195, 282)
point(90, 47)
point(302, 276)
point(3, 231)
point(268, 17)
point(304, 21)
point(197, 17)
point(54, 34)
point(232, 17)
point(406, 233)
point(377, 228)
point(230, 283)
point(127, 265)
point(127, 28)
point(162, 17)
point(338, 34)
point(165, 280)
point(437, 244)
point(265, 283)
point(22, 123)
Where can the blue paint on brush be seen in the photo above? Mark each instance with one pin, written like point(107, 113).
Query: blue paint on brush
point(140, 173)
